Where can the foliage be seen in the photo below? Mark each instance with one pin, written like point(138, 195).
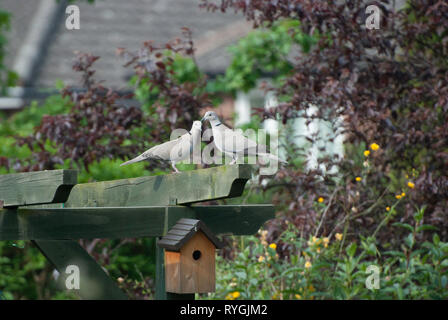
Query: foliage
point(96, 127)
point(22, 124)
point(390, 87)
point(330, 268)
point(261, 53)
point(168, 83)
point(8, 78)
point(24, 272)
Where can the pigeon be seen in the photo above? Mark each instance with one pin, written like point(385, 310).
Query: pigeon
point(234, 143)
point(173, 151)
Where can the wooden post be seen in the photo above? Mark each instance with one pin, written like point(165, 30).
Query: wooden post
point(94, 282)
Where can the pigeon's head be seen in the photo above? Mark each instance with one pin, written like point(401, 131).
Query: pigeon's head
point(197, 125)
point(210, 116)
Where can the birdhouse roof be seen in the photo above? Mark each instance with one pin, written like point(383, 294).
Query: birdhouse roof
point(182, 231)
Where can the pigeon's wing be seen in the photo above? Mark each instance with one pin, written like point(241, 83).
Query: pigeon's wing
point(174, 150)
point(236, 142)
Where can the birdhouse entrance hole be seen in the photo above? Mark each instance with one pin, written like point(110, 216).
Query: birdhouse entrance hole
point(196, 254)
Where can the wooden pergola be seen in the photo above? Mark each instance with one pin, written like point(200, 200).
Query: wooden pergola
point(52, 210)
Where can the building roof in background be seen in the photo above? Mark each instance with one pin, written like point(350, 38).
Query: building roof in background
point(107, 25)
point(20, 24)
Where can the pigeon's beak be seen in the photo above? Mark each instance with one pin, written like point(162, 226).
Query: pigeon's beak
point(203, 118)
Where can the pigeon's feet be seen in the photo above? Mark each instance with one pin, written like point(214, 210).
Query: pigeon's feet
point(173, 165)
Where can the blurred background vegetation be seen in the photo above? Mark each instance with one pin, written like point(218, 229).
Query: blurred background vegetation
point(331, 224)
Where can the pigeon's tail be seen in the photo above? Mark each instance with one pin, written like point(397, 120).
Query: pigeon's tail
point(272, 157)
point(136, 159)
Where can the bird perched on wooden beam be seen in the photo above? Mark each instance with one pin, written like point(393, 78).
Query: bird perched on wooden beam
point(234, 143)
point(173, 151)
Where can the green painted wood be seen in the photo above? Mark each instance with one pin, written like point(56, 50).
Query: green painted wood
point(169, 189)
point(94, 283)
point(78, 223)
point(89, 223)
point(21, 189)
point(235, 219)
point(161, 293)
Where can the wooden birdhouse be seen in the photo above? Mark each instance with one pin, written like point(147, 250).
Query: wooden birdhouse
point(189, 257)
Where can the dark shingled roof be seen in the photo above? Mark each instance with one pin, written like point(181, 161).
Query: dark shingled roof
point(182, 231)
point(108, 25)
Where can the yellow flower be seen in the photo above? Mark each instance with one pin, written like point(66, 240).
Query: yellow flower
point(308, 264)
point(398, 196)
point(298, 296)
point(314, 239)
point(367, 153)
point(411, 185)
point(326, 240)
point(320, 200)
point(403, 194)
point(338, 236)
point(261, 259)
point(236, 295)
point(358, 179)
point(273, 246)
point(374, 146)
point(229, 296)
point(387, 208)
point(318, 250)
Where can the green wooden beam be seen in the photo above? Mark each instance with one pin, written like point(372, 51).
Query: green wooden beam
point(170, 189)
point(52, 186)
point(117, 222)
point(94, 283)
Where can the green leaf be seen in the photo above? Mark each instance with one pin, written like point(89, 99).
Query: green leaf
point(409, 240)
point(425, 227)
point(351, 249)
point(436, 239)
point(403, 225)
point(241, 275)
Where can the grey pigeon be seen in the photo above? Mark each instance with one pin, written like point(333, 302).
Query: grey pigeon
point(234, 143)
point(173, 151)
